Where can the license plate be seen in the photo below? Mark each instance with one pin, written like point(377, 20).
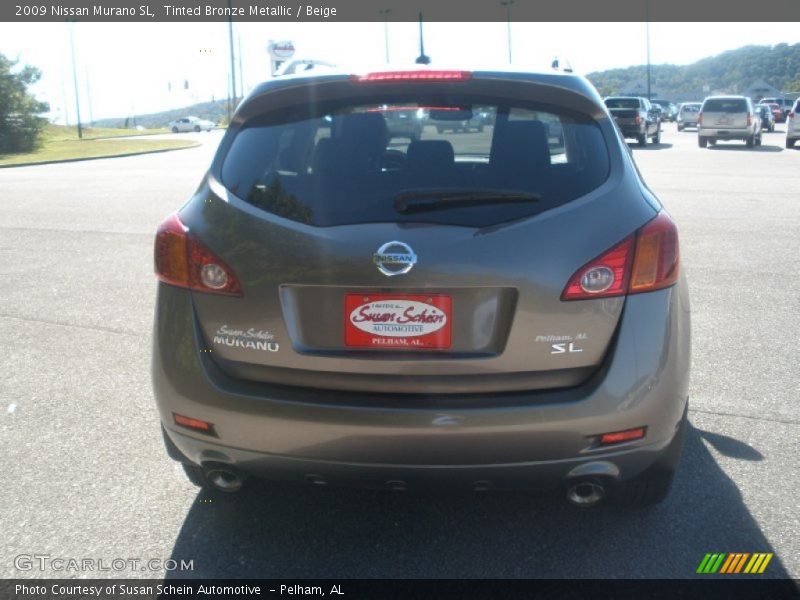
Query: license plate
point(398, 321)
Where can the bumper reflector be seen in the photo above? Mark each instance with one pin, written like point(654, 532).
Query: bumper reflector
point(195, 424)
point(622, 436)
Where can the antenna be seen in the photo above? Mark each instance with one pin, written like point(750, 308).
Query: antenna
point(422, 59)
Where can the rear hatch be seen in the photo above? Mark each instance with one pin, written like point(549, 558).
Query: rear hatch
point(624, 110)
point(725, 113)
point(369, 262)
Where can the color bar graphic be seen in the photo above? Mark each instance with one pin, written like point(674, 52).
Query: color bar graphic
point(734, 562)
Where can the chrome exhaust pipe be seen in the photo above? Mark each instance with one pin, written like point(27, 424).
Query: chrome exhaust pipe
point(586, 493)
point(223, 478)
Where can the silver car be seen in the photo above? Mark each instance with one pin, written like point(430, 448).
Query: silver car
point(185, 124)
point(687, 115)
point(728, 118)
point(493, 309)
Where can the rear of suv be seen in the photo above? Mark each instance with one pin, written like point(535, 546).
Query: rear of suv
point(493, 309)
point(725, 118)
point(793, 125)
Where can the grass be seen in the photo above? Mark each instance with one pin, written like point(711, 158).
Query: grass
point(62, 143)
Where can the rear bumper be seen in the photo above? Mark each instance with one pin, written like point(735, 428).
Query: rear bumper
point(530, 439)
point(631, 131)
point(725, 134)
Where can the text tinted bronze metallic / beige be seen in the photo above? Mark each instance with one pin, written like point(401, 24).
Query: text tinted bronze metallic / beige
point(488, 296)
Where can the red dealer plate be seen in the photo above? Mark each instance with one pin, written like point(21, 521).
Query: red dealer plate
point(400, 321)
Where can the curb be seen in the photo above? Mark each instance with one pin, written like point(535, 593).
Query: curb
point(127, 154)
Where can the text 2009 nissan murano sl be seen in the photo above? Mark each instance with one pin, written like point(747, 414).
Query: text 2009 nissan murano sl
point(340, 303)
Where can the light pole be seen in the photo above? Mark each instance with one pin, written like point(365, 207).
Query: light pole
point(75, 80)
point(384, 12)
point(647, 34)
point(422, 59)
point(507, 4)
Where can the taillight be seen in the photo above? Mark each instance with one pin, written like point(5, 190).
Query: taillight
point(404, 76)
point(749, 119)
point(699, 118)
point(638, 120)
point(643, 262)
point(790, 115)
point(183, 261)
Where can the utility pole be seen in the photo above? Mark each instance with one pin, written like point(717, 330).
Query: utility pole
point(241, 76)
point(232, 88)
point(507, 4)
point(89, 97)
point(64, 102)
point(647, 34)
point(384, 12)
point(75, 80)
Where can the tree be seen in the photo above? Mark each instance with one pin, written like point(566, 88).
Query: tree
point(20, 123)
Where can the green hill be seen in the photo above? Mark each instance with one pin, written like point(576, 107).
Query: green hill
point(733, 71)
point(213, 111)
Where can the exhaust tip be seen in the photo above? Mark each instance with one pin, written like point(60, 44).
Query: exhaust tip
point(586, 493)
point(224, 479)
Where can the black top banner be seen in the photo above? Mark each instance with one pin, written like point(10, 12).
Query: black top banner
point(399, 10)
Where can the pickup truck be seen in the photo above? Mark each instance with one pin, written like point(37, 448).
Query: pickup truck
point(636, 118)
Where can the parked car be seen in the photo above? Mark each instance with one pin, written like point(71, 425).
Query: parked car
point(777, 112)
point(793, 125)
point(728, 118)
point(669, 110)
point(405, 123)
point(476, 122)
point(191, 124)
point(687, 114)
point(785, 105)
point(470, 318)
point(636, 118)
point(764, 111)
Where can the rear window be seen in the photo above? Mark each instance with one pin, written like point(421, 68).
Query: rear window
point(622, 102)
point(690, 108)
point(725, 105)
point(448, 160)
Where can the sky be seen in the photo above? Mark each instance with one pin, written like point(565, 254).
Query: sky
point(125, 69)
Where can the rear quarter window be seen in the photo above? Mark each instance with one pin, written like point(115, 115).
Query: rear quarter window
point(348, 162)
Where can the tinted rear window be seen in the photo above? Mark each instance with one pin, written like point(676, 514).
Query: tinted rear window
point(349, 162)
point(725, 105)
point(622, 102)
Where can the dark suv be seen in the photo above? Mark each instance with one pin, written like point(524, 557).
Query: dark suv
point(490, 309)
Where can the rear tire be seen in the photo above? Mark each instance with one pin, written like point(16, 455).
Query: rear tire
point(642, 139)
point(657, 136)
point(789, 144)
point(702, 142)
point(758, 140)
point(197, 128)
point(174, 130)
point(751, 141)
point(653, 486)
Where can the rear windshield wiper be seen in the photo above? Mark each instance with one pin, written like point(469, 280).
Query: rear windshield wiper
point(417, 201)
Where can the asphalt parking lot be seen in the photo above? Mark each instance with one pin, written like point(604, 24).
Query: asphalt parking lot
point(86, 475)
